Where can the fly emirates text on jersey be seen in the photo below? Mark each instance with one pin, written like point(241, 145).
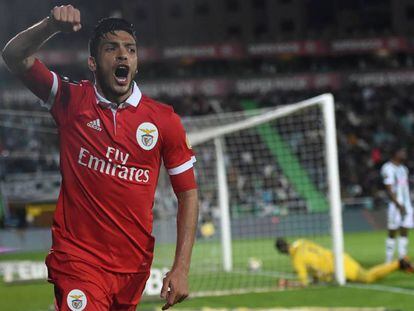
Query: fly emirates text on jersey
point(108, 167)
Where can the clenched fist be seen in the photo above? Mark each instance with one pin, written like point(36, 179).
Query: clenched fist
point(65, 18)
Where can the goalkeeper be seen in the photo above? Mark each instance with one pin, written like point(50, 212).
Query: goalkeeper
point(312, 260)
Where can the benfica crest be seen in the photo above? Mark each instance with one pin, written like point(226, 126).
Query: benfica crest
point(77, 304)
point(147, 139)
point(147, 135)
point(76, 300)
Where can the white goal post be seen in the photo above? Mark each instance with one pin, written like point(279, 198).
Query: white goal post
point(326, 103)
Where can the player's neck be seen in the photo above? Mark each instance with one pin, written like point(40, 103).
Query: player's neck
point(113, 97)
point(396, 162)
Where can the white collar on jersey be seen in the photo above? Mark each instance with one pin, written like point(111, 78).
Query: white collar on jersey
point(132, 100)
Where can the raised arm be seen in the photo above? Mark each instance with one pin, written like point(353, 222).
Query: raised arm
point(18, 52)
point(177, 279)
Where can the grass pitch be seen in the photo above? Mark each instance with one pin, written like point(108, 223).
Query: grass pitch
point(396, 292)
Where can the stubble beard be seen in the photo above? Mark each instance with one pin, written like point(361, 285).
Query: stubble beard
point(106, 86)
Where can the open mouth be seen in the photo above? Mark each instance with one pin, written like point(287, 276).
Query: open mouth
point(121, 74)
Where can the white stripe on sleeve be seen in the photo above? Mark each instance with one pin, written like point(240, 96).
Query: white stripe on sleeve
point(183, 167)
point(53, 92)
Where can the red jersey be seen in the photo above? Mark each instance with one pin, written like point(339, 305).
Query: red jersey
point(110, 159)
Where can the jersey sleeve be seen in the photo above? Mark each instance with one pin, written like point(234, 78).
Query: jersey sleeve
point(41, 81)
point(178, 156)
point(53, 92)
point(387, 175)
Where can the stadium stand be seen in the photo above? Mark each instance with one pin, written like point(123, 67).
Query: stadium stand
point(368, 67)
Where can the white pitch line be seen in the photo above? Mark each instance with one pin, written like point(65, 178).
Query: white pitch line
point(383, 288)
point(240, 291)
point(265, 273)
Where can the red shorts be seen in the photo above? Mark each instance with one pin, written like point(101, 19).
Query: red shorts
point(82, 286)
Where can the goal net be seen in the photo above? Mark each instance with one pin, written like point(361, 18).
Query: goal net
point(262, 174)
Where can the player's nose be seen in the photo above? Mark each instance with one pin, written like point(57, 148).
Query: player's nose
point(121, 57)
point(122, 54)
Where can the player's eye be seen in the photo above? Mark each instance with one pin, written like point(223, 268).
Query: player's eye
point(132, 50)
point(110, 49)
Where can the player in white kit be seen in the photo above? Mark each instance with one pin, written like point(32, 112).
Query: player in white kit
point(400, 211)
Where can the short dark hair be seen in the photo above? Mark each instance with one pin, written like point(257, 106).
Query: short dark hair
point(396, 147)
point(105, 25)
point(280, 243)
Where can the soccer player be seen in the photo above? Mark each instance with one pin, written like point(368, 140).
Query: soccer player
point(400, 211)
point(112, 142)
point(312, 260)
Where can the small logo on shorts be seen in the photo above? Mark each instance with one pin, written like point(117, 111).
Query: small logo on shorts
point(76, 300)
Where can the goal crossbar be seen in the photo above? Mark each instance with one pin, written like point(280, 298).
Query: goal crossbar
point(207, 134)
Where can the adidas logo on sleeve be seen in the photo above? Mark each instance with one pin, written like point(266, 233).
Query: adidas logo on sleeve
point(95, 124)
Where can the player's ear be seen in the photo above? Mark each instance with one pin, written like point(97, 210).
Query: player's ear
point(92, 63)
